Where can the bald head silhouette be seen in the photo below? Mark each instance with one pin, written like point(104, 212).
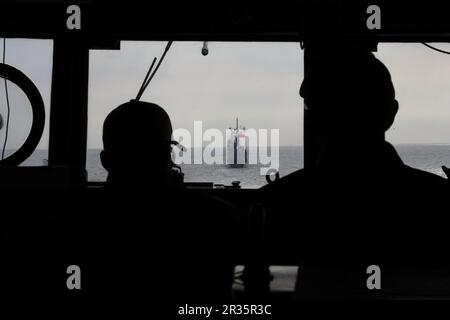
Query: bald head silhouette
point(136, 141)
point(350, 96)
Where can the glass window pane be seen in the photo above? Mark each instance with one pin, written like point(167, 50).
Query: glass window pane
point(35, 59)
point(421, 76)
point(257, 83)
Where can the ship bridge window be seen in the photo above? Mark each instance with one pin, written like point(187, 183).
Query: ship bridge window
point(33, 58)
point(236, 110)
point(421, 77)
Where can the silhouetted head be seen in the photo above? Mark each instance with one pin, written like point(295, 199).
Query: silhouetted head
point(136, 142)
point(350, 97)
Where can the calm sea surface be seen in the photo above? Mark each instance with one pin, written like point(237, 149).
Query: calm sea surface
point(428, 157)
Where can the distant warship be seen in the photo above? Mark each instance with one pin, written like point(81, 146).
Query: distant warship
point(237, 154)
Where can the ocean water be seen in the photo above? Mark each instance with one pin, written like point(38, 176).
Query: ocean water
point(290, 160)
point(428, 157)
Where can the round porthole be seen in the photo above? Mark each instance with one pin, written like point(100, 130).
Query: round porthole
point(38, 111)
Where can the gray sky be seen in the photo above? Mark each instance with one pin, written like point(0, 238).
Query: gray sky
point(421, 78)
point(258, 82)
point(34, 58)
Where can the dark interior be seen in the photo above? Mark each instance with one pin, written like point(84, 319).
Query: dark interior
point(31, 194)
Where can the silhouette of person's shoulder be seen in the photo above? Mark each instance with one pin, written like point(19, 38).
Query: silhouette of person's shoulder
point(183, 236)
point(292, 181)
point(177, 205)
point(424, 178)
point(204, 218)
point(205, 202)
point(203, 233)
point(390, 172)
